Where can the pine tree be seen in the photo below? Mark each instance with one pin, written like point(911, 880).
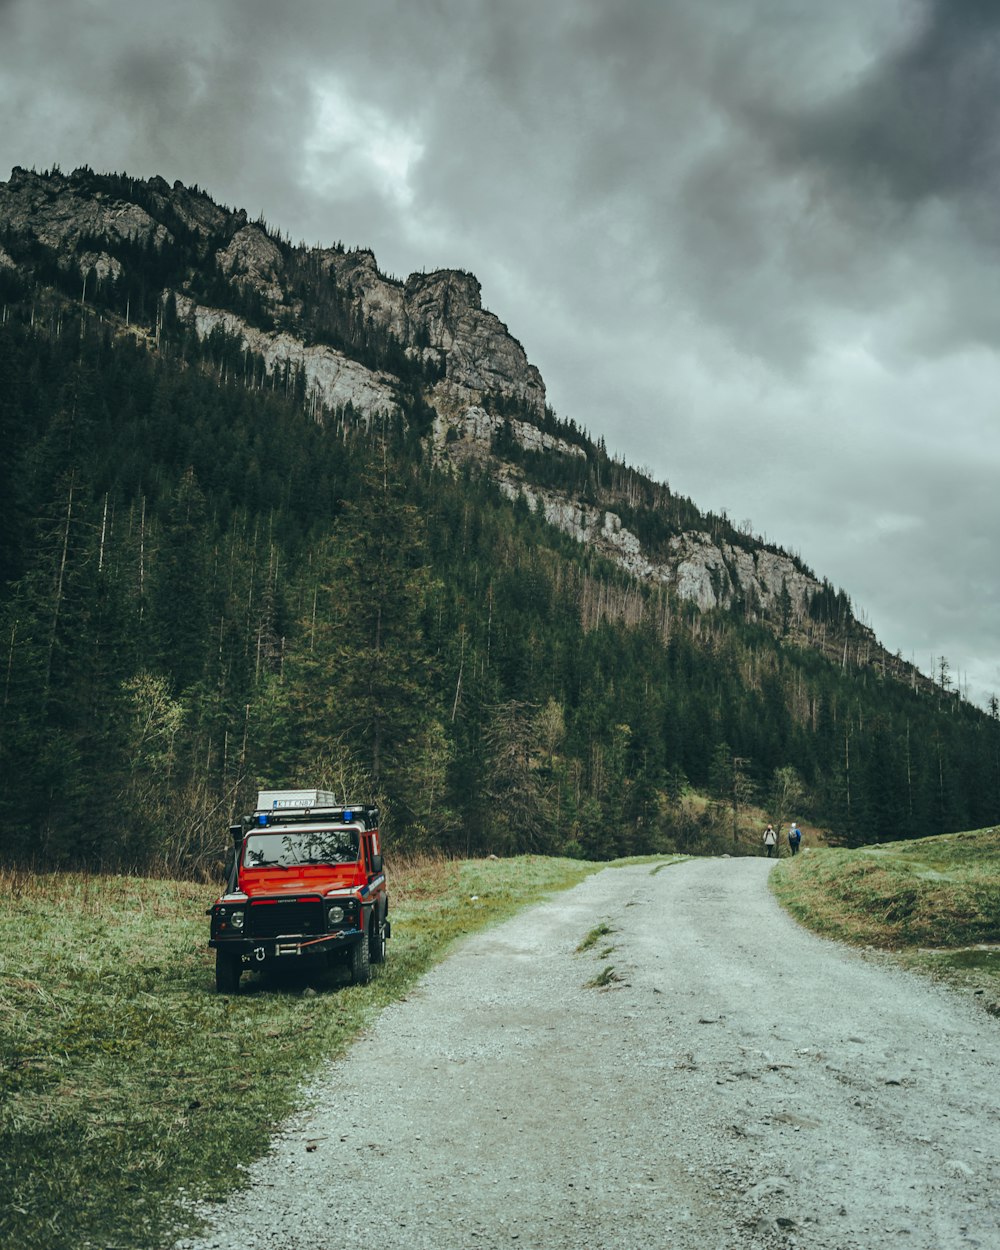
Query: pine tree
point(181, 617)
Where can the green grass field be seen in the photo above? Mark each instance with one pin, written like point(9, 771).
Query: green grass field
point(128, 1084)
point(933, 902)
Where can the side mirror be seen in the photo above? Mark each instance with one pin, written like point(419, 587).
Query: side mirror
point(376, 864)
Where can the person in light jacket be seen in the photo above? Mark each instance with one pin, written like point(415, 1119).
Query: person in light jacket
point(770, 840)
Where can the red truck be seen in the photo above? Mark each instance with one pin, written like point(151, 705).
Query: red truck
point(306, 883)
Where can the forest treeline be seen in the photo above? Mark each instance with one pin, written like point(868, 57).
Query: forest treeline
point(206, 590)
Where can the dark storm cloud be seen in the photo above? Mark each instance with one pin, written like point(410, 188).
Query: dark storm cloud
point(866, 180)
point(923, 123)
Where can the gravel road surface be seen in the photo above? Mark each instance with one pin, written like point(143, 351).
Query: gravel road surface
point(743, 1085)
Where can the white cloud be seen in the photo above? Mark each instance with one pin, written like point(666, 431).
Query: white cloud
point(352, 139)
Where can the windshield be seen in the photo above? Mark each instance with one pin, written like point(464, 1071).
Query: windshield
point(295, 847)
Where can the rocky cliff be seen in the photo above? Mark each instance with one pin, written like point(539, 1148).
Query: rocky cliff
point(95, 227)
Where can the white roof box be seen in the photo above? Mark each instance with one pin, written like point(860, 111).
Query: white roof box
point(276, 800)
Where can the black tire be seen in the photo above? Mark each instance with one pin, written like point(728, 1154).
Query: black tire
point(227, 972)
point(361, 967)
point(376, 942)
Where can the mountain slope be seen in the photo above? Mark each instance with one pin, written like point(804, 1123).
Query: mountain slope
point(278, 514)
point(352, 336)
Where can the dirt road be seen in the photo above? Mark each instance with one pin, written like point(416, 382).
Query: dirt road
point(743, 1085)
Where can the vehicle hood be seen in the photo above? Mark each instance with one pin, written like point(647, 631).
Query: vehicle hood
point(293, 881)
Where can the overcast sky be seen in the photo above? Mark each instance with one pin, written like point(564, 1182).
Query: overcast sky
point(753, 244)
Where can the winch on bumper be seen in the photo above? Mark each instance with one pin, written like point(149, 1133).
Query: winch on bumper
point(253, 951)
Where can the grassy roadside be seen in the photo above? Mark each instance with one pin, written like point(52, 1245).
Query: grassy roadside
point(127, 1084)
point(933, 902)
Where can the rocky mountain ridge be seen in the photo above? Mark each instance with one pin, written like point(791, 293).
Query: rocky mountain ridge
point(361, 341)
point(437, 317)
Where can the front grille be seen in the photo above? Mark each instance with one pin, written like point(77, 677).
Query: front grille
point(285, 917)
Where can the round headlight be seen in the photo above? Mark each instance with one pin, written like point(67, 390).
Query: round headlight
point(335, 915)
point(236, 920)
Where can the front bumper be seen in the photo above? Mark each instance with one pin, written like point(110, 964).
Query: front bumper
point(253, 950)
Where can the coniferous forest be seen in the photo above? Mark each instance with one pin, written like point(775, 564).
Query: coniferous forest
point(205, 589)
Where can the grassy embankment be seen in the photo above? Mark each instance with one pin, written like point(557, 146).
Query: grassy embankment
point(933, 902)
point(127, 1082)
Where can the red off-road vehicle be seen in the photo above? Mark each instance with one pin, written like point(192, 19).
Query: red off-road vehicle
point(306, 883)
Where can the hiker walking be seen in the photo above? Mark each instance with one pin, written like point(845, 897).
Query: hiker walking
point(794, 838)
point(770, 841)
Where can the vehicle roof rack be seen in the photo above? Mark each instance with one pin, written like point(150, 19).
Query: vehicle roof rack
point(290, 807)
